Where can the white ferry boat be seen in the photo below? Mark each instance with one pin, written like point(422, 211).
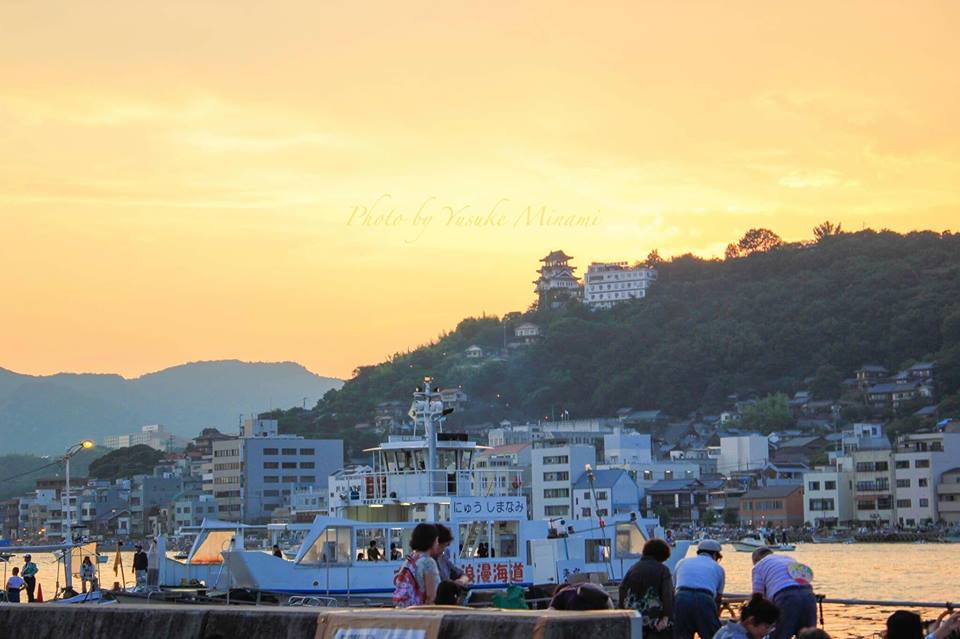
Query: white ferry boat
point(432, 478)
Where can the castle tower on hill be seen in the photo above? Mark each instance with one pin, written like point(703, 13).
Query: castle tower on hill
point(557, 283)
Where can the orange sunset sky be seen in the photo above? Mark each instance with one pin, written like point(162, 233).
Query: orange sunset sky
point(177, 179)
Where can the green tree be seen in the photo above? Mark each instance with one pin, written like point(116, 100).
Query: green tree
point(663, 515)
point(827, 383)
point(826, 229)
point(730, 516)
point(709, 517)
point(126, 462)
point(772, 413)
point(758, 241)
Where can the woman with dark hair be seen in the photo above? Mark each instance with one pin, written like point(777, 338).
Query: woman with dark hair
point(904, 624)
point(448, 570)
point(417, 579)
point(757, 618)
point(648, 588)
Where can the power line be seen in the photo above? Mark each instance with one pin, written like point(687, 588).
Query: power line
point(30, 472)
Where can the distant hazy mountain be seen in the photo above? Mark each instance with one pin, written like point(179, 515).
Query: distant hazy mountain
point(46, 414)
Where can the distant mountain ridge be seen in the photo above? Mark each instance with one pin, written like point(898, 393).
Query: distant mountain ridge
point(45, 414)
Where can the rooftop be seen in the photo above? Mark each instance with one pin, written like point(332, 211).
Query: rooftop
point(771, 492)
point(601, 479)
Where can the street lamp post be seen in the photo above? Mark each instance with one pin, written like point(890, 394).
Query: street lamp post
point(67, 534)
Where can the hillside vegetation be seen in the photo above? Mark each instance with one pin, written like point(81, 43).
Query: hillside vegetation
point(759, 322)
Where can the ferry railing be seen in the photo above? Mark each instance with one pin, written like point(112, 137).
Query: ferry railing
point(378, 487)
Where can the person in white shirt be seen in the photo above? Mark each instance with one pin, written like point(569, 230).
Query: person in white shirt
point(14, 585)
point(786, 582)
point(699, 581)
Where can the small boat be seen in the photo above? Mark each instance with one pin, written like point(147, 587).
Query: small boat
point(751, 543)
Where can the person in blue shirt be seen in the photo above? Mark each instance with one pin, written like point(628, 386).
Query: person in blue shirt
point(699, 582)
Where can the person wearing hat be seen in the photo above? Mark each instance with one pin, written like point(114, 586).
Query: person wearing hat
point(786, 582)
point(699, 581)
point(29, 574)
point(140, 564)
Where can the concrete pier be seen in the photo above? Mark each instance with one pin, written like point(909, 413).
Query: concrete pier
point(149, 621)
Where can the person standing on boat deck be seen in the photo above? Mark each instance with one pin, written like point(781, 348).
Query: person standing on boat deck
point(648, 588)
point(448, 570)
point(87, 575)
point(417, 579)
point(140, 564)
point(29, 575)
point(699, 586)
point(786, 582)
point(14, 585)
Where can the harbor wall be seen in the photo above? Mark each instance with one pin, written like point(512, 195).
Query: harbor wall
point(149, 621)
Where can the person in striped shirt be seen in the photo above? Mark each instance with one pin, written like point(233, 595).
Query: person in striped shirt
point(787, 583)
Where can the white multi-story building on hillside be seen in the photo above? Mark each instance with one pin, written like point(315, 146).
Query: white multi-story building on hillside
point(607, 283)
point(828, 495)
point(743, 453)
point(919, 460)
point(554, 471)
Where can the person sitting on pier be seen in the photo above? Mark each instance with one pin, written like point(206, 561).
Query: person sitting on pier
point(648, 588)
point(786, 582)
point(699, 581)
point(449, 593)
point(415, 583)
point(904, 624)
point(14, 585)
point(757, 619)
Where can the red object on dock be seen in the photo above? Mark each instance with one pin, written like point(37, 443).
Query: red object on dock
point(39, 598)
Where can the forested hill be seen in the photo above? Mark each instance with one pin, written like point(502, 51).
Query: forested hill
point(760, 321)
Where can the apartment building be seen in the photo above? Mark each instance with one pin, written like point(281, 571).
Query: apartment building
point(919, 461)
point(257, 473)
point(554, 470)
point(611, 492)
point(828, 498)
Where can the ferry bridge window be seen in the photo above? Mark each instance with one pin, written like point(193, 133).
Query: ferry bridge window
point(629, 541)
point(380, 551)
point(596, 550)
point(504, 542)
point(332, 546)
point(473, 539)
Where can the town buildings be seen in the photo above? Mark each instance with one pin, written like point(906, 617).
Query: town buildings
point(772, 507)
point(152, 435)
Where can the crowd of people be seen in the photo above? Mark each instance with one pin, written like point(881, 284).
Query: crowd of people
point(23, 580)
point(680, 605)
point(783, 604)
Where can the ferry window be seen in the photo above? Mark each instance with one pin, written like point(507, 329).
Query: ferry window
point(379, 551)
point(629, 541)
point(406, 460)
point(473, 540)
point(419, 460)
point(332, 546)
point(390, 460)
point(504, 542)
point(597, 550)
point(447, 460)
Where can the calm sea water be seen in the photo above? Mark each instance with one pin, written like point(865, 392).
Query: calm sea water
point(912, 572)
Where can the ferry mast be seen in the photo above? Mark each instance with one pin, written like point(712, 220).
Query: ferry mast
point(427, 412)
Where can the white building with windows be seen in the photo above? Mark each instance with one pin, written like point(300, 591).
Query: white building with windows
point(257, 473)
point(743, 453)
point(919, 460)
point(612, 492)
point(828, 496)
point(554, 471)
point(622, 447)
point(607, 283)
